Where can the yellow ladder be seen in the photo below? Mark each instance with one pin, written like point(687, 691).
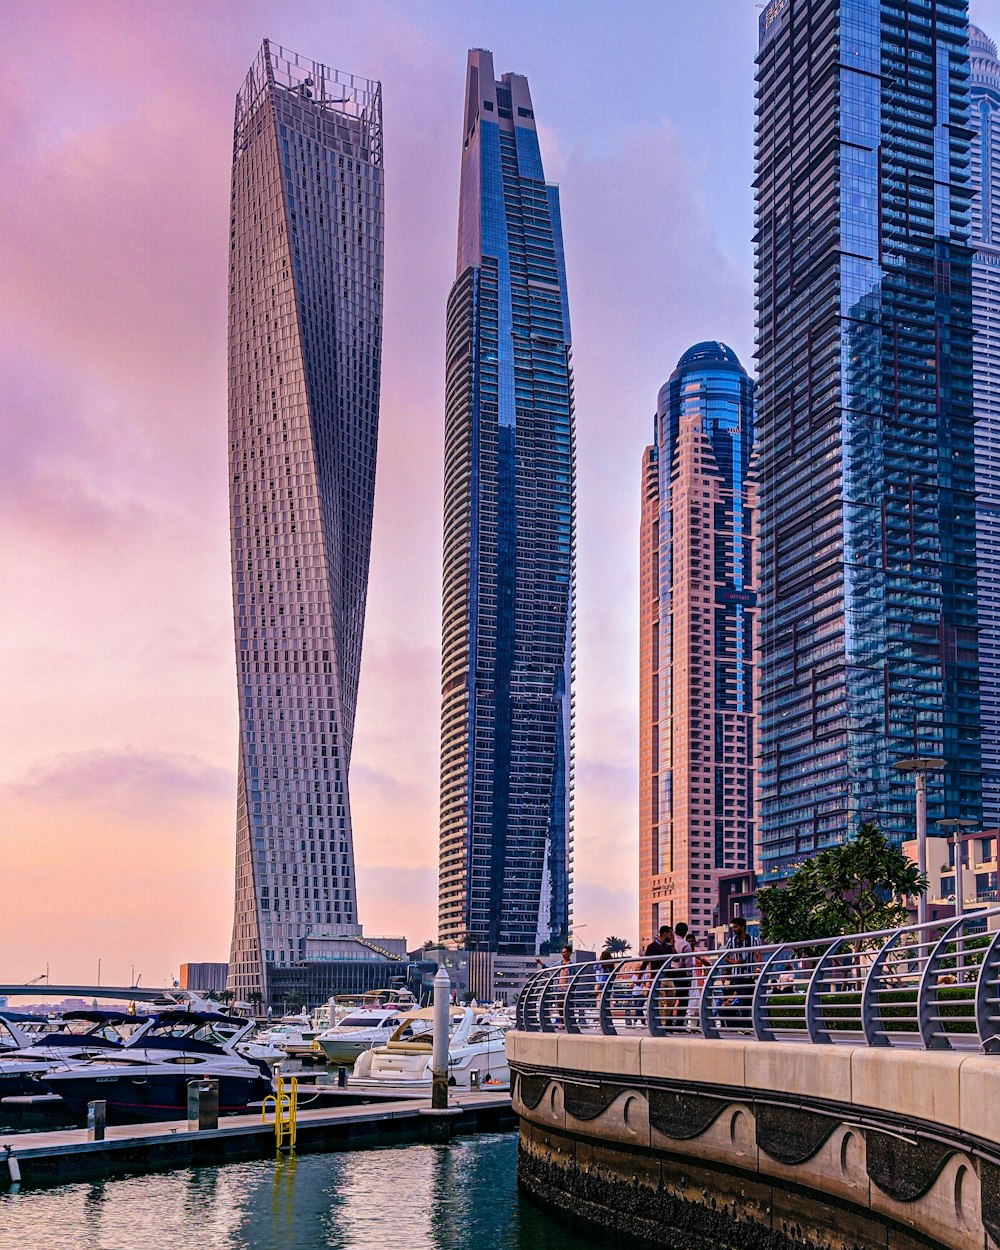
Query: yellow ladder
point(286, 1109)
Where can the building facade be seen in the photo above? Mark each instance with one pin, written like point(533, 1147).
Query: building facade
point(868, 622)
point(507, 644)
point(698, 594)
point(985, 117)
point(305, 310)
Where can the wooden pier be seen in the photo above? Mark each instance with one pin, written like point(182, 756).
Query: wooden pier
point(68, 1155)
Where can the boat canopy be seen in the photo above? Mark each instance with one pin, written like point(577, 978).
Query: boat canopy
point(105, 1016)
point(197, 1017)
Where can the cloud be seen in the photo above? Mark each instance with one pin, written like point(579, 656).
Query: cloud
point(139, 785)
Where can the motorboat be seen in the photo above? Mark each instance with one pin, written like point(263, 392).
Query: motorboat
point(19, 1029)
point(475, 1045)
point(76, 1037)
point(293, 1036)
point(258, 1050)
point(357, 1032)
point(148, 1080)
point(363, 1022)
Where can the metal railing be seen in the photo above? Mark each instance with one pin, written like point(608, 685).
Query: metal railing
point(935, 986)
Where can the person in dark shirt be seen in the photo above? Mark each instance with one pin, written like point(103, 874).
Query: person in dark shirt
point(656, 954)
point(661, 945)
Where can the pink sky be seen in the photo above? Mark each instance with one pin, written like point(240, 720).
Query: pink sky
point(117, 768)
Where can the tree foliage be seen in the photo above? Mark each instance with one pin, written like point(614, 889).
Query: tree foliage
point(617, 946)
point(856, 887)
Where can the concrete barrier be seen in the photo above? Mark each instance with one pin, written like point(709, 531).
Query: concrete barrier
point(693, 1142)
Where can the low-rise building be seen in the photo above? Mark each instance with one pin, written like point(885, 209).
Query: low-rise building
point(204, 978)
point(979, 870)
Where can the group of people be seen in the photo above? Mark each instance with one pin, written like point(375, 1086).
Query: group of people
point(680, 984)
point(679, 988)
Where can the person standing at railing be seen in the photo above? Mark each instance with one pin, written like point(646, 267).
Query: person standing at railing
point(564, 965)
point(683, 969)
point(657, 953)
point(742, 959)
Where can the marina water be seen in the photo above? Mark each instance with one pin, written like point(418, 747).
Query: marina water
point(459, 1196)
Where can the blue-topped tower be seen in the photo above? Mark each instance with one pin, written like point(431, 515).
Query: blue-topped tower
point(509, 532)
point(698, 596)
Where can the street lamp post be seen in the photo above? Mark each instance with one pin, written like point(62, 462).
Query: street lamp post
point(956, 825)
point(920, 766)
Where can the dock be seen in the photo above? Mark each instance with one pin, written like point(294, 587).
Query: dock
point(67, 1154)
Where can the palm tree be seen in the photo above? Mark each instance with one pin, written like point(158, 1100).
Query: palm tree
point(617, 946)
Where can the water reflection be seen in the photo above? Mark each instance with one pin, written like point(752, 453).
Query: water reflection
point(457, 1197)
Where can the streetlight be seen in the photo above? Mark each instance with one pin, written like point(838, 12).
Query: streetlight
point(956, 824)
point(920, 766)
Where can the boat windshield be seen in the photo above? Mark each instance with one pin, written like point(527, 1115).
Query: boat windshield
point(370, 1020)
point(202, 1032)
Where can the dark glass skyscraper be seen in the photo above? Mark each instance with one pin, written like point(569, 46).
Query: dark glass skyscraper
point(305, 311)
point(986, 364)
point(507, 665)
point(868, 631)
point(697, 694)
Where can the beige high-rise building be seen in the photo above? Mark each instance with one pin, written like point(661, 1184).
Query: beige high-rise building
point(698, 595)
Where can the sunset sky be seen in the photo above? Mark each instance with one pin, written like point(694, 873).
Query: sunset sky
point(118, 715)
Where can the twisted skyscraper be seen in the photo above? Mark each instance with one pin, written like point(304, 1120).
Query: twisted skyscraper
point(305, 312)
point(507, 667)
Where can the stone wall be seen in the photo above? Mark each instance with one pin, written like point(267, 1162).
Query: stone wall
point(693, 1143)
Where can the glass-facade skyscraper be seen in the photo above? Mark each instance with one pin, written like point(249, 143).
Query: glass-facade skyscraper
point(985, 90)
point(305, 310)
point(507, 645)
point(698, 595)
point(868, 621)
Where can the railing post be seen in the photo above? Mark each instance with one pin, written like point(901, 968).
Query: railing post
point(654, 1026)
point(987, 993)
point(705, 1021)
point(931, 1033)
point(814, 1026)
point(569, 1011)
point(604, 1005)
point(545, 1023)
point(871, 1018)
point(763, 1032)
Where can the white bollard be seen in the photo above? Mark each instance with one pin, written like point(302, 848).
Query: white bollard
point(439, 1058)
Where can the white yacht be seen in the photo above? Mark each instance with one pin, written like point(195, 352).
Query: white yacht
point(357, 1032)
point(293, 1035)
point(364, 1023)
point(475, 1044)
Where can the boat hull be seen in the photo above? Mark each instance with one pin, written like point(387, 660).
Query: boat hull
point(342, 1051)
point(18, 1082)
point(142, 1100)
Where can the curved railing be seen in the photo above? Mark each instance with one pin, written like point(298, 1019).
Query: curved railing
point(935, 986)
